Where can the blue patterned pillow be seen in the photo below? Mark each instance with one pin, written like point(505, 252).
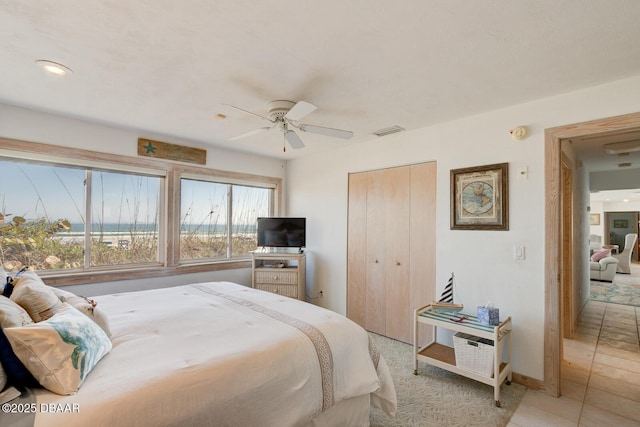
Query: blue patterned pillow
point(62, 350)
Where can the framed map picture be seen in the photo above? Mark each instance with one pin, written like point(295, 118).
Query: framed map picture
point(479, 198)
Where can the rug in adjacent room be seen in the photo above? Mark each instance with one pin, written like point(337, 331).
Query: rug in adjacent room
point(616, 293)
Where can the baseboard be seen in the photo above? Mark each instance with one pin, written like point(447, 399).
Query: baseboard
point(528, 382)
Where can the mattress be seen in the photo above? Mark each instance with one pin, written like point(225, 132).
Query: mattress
point(221, 354)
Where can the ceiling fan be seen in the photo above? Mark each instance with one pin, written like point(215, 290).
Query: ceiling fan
point(285, 115)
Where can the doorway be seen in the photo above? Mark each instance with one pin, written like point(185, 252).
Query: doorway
point(554, 297)
point(617, 225)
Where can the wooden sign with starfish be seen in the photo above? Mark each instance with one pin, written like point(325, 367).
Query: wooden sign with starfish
point(164, 150)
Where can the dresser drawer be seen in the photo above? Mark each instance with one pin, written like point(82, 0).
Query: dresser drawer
point(284, 290)
point(277, 276)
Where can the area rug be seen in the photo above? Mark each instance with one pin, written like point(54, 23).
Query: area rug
point(616, 293)
point(436, 397)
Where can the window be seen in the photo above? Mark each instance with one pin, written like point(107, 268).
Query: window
point(44, 217)
point(41, 216)
point(124, 219)
point(206, 232)
point(105, 217)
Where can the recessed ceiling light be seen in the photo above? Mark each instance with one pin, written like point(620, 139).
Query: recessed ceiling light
point(54, 67)
point(622, 147)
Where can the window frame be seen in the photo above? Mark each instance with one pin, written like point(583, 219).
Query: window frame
point(169, 221)
point(229, 182)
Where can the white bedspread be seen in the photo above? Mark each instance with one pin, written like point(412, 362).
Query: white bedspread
point(221, 354)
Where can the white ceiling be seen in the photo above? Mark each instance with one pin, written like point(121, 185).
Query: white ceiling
point(632, 195)
point(166, 67)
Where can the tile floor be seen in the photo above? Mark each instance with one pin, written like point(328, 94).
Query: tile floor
point(601, 374)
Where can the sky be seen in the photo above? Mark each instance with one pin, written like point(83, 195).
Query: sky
point(35, 190)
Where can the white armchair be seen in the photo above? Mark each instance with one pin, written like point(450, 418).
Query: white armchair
point(624, 257)
point(603, 270)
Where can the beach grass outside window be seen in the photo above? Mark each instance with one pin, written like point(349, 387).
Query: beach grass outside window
point(80, 216)
point(218, 220)
point(44, 217)
point(40, 204)
point(125, 216)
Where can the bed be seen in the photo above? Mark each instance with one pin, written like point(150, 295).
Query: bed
point(223, 354)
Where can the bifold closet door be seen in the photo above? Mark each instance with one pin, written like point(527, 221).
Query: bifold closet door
point(391, 247)
point(357, 248)
point(396, 208)
point(375, 315)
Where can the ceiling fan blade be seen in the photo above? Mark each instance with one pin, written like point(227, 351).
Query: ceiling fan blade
point(300, 110)
point(338, 133)
point(253, 132)
point(294, 139)
point(248, 112)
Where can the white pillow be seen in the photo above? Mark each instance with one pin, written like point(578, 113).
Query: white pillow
point(11, 314)
point(61, 351)
point(86, 306)
point(34, 296)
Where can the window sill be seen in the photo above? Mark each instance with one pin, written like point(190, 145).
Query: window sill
point(86, 277)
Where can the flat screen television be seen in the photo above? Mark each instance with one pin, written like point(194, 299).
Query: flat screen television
point(276, 232)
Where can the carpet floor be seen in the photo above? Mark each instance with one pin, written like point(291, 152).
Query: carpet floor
point(616, 293)
point(436, 397)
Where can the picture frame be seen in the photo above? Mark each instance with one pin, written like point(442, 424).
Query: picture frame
point(480, 197)
point(594, 219)
point(620, 223)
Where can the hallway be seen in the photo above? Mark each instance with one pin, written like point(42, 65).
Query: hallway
point(600, 374)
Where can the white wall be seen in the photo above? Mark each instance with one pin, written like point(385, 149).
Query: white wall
point(482, 260)
point(27, 125)
point(630, 206)
point(581, 250)
point(597, 208)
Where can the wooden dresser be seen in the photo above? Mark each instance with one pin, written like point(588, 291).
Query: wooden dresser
point(280, 273)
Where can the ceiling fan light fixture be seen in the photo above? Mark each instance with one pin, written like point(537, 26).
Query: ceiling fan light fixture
point(54, 67)
point(284, 115)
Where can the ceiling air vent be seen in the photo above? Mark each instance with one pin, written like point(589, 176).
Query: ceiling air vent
point(388, 131)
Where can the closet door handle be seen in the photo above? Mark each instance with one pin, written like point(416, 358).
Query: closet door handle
point(397, 262)
point(376, 261)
